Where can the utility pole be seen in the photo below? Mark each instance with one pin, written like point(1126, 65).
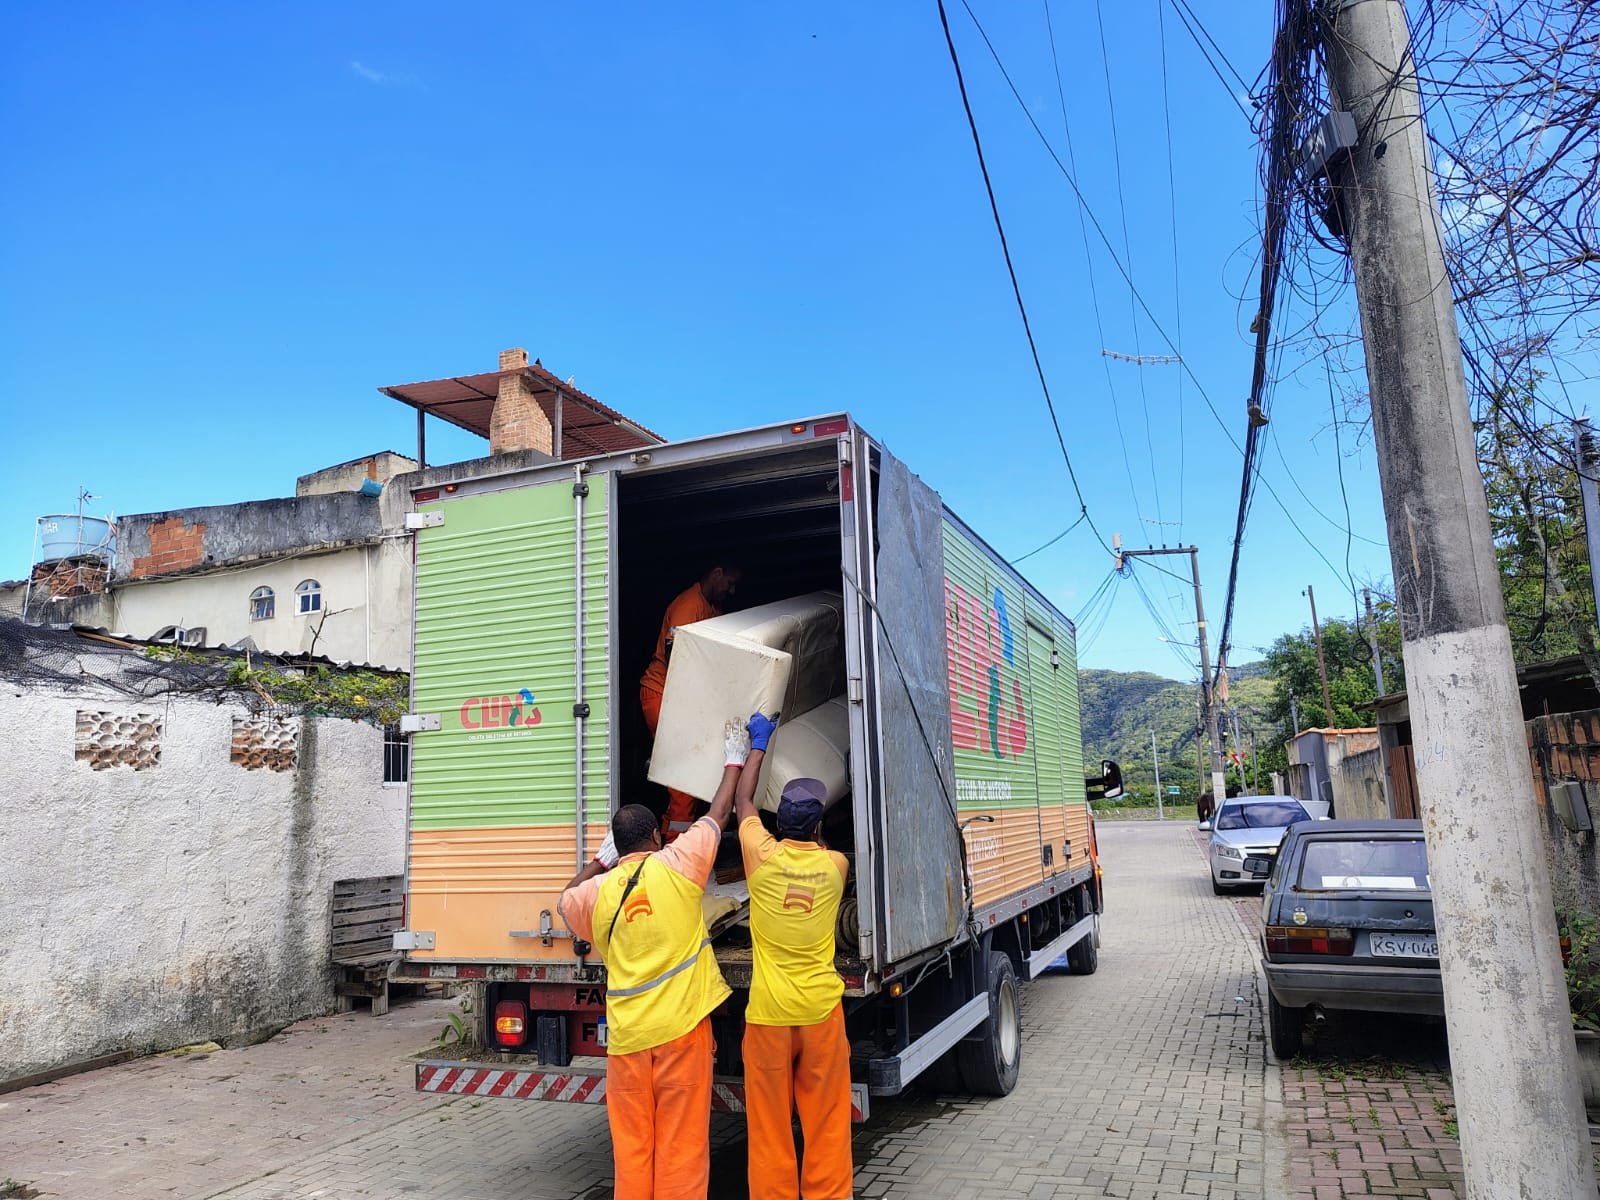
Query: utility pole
point(1294, 713)
point(1322, 662)
point(1210, 716)
point(1587, 455)
point(1156, 755)
point(1372, 637)
point(1512, 1054)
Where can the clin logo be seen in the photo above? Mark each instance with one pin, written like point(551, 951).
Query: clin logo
point(497, 712)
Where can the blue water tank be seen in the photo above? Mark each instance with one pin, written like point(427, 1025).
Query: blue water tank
point(67, 535)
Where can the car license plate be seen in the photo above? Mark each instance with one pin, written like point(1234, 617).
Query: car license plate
point(1258, 866)
point(1405, 945)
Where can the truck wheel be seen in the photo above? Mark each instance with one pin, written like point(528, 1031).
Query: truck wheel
point(990, 1064)
point(1287, 1026)
point(1084, 956)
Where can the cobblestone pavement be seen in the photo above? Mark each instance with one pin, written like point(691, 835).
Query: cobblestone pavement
point(1145, 1080)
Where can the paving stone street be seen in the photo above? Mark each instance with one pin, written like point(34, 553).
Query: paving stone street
point(1149, 1079)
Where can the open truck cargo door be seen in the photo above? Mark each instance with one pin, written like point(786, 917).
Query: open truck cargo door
point(512, 681)
point(914, 805)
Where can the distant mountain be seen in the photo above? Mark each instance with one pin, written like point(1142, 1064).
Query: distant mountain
point(1120, 709)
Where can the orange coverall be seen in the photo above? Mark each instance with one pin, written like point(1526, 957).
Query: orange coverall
point(796, 1053)
point(689, 606)
point(662, 982)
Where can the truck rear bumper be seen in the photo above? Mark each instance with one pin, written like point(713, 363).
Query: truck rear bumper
point(570, 1085)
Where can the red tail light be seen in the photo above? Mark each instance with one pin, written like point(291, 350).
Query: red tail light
point(1309, 939)
point(510, 1020)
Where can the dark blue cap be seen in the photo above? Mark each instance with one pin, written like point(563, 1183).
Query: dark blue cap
point(800, 807)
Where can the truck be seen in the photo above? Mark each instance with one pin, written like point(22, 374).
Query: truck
point(538, 595)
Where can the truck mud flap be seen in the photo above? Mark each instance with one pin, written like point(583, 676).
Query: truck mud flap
point(1040, 960)
point(576, 1085)
point(889, 1076)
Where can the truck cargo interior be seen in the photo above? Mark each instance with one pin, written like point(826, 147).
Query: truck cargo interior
point(775, 517)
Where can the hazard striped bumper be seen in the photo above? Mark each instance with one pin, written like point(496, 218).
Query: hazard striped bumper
point(582, 1085)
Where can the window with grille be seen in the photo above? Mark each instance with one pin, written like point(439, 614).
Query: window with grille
point(261, 604)
point(308, 597)
point(396, 755)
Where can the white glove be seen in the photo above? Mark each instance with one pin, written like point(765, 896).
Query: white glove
point(606, 856)
point(735, 743)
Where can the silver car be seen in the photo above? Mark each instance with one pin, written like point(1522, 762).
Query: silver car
point(1245, 833)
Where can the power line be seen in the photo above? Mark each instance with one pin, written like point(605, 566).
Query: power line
point(1016, 288)
point(1172, 209)
point(1051, 542)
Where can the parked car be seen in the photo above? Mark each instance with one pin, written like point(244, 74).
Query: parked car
point(1245, 833)
point(1348, 915)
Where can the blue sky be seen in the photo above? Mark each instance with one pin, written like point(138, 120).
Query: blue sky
point(223, 227)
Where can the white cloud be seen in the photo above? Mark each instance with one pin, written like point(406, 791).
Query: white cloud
point(373, 75)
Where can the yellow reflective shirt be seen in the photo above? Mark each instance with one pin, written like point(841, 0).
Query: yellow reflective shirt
point(795, 889)
point(661, 976)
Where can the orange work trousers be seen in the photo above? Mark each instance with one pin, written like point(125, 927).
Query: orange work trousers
point(659, 1104)
point(804, 1068)
point(680, 805)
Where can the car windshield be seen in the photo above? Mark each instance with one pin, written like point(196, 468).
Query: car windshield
point(1265, 815)
point(1386, 864)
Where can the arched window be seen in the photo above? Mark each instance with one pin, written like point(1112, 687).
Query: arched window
point(308, 597)
point(261, 604)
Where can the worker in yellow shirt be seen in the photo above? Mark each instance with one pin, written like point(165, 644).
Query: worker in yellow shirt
point(796, 1053)
point(700, 601)
point(645, 921)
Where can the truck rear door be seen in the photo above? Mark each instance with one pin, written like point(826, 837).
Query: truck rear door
point(511, 682)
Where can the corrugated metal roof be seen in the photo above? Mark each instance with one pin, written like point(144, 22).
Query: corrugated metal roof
point(587, 426)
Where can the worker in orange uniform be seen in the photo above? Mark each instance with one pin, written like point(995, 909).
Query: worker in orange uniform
point(796, 1054)
point(700, 601)
point(645, 921)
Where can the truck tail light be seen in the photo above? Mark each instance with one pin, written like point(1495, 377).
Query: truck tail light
point(1309, 939)
point(510, 1023)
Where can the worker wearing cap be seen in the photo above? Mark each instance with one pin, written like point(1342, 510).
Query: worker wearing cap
point(700, 601)
point(645, 921)
point(796, 1054)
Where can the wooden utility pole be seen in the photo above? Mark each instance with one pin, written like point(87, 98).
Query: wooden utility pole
point(1322, 662)
point(1512, 1054)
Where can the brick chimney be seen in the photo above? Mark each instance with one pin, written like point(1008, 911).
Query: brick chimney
point(518, 423)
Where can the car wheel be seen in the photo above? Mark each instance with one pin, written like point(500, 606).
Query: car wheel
point(1217, 889)
point(990, 1064)
point(1287, 1027)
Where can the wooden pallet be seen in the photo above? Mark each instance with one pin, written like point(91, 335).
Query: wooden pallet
point(365, 915)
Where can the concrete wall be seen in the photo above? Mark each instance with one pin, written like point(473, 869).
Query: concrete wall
point(185, 539)
point(183, 900)
point(348, 476)
point(1358, 786)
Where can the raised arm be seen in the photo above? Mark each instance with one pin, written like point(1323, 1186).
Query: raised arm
point(760, 729)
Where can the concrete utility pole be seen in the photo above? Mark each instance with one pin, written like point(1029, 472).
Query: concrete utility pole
point(1322, 662)
point(1512, 1053)
point(1156, 755)
point(1587, 455)
point(1294, 713)
point(1210, 714)
point(1372, 636)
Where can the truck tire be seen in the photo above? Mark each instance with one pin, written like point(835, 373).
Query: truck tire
point(991, 1062)
point(1084, 956)
point(1287, 1027)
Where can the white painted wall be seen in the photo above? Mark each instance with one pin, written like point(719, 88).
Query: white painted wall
point(365, 617)
point(151, 909)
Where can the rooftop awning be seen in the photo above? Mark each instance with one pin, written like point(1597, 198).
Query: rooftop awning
point(581, 425)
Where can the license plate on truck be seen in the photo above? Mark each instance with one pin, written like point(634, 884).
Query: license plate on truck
point(1405, 945)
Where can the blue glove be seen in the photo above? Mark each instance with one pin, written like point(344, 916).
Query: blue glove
point(761, 728)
